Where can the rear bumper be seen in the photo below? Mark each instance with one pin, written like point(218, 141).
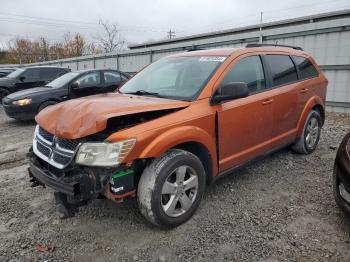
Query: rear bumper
point(21, 112)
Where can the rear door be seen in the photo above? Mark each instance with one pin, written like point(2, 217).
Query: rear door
point(245, 125)
point(112, 80)
point(49, 74)
point(285, 84)
point(306, 72)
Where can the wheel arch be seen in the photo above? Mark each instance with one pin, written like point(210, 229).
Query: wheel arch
point(314, 103)
point(202, 153)
point(190, 138)
point(49, 100)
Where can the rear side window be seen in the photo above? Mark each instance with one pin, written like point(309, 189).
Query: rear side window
point(282, 69)
point(248, 70)
point(306, 68)
point(51, 73)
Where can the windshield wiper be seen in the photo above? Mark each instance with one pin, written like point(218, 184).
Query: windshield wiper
point(144, 92)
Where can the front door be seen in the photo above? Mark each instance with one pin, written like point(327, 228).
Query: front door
point(245, 124)
point(88, 84)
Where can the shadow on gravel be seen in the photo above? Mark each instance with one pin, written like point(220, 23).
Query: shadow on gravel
point(13, 122)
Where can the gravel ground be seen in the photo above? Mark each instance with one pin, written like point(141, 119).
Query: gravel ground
point(280, 208)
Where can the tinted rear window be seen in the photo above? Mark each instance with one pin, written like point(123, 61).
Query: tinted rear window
point(306, 68)
point(282, 69)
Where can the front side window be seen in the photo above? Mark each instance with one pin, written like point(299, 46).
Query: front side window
point(181, 78)
point(89, 79)
point(282, 69)
point(111, 77)
point(306, 68)
point(51, 73)
point(248, 70)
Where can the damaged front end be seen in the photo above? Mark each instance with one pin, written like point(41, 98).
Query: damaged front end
point(53, 164)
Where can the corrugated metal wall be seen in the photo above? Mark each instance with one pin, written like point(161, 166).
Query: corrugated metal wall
point(325, 36)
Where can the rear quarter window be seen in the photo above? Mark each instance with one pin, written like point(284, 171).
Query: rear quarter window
point(282, 69)
point(306, 68)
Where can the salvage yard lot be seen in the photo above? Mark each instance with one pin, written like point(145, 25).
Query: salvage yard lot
point(280, 208)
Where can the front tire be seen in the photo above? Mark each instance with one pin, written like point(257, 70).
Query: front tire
point(46, 104)
point(310, 137)
point(171, 188)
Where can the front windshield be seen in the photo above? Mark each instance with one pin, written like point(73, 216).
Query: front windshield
point(62, 80)
point(15, 73)
point(179, 78)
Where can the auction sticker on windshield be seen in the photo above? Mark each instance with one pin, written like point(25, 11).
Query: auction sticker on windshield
point(212, 58)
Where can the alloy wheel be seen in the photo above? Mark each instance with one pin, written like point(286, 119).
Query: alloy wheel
point(312, 132)
point(179, 191)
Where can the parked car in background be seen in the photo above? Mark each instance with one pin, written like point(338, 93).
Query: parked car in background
point(29, 77)
point(341, 175)
point(24, 105)
point(177, 126)
point(5, 71)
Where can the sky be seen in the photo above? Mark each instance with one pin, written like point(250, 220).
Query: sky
point(143, 21)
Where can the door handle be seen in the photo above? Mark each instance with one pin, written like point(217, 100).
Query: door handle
point(303, 90)
point(267, 101)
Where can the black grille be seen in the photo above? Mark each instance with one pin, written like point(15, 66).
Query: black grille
point(68, 144)
point(46, 135)
point(43, 149)
point(63, 160)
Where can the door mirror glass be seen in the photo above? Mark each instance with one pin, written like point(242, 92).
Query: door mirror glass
point(230, 91)
point(22, 78)
point(74, 85)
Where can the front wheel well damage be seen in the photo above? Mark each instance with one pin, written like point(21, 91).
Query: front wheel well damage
point(202, 153)
point(195, 148)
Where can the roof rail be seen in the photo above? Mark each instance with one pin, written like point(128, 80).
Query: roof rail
point(194, 48)
point(275, 45)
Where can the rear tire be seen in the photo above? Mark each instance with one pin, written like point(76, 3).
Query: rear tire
point(3, 93)
point(171, 188)
point(310, 137)
point(46, 104)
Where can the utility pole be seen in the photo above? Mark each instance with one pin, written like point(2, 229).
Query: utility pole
point(171, 34)
point(260, 31)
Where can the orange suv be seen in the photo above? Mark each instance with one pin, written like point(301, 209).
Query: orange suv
point(176, 126)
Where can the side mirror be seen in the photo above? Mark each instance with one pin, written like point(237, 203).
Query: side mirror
point(74, 85)
point(230, 91)
point(21, 78)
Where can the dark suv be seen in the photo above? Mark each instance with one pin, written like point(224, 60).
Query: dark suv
point(24, 78)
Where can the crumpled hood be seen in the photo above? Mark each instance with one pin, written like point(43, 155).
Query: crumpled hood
point(86, 116)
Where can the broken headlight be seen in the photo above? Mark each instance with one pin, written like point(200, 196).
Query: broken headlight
point(104, 154)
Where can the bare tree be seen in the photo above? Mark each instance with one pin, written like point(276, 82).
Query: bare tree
point(111, 39)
